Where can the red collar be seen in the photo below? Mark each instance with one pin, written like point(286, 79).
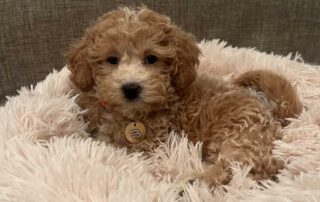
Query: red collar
point(103, 105)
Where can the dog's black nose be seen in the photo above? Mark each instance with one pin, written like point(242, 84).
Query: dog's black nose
point(131, 91)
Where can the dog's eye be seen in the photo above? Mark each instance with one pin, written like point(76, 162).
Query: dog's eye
point(150, 59)
point(113, 60)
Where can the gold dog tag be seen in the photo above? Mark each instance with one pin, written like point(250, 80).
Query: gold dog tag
point(135, 132)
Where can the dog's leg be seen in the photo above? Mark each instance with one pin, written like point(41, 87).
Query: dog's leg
point(217, 173)
point(263, 167)
point(253, 147)
point(276, 88)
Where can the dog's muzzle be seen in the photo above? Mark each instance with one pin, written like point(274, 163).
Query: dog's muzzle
point(131, 91)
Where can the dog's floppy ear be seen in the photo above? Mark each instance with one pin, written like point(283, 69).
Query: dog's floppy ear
point(81, 74)
point(187, 59)
point(187, 52)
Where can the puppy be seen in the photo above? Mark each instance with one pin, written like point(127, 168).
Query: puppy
point(136, 72)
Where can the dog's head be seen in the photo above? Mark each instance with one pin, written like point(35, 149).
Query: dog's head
point(136, 60)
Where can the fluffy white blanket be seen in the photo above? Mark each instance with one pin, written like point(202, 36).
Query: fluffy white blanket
point(45, 155)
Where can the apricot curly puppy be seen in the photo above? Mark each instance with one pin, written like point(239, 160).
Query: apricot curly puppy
point(137, 75)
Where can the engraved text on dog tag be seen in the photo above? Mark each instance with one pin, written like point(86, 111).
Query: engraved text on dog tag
point(135, 132)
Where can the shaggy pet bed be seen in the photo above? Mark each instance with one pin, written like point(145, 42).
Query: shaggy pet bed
point(46, 155)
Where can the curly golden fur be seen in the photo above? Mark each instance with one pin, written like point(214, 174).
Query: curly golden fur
point(144, 48)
